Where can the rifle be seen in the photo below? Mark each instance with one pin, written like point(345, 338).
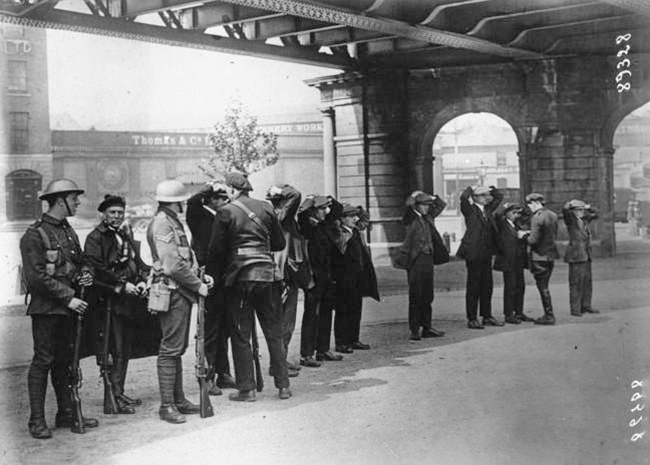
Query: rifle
point(76, 378)
point(106, 361)
point(259, 379)
point(201, 365)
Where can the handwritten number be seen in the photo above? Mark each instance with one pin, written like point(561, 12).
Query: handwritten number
point(636, 384)
point(620, 76)
point(623, 87)
point(637, 436)
point(625, 51)
point(624, 62)
point(636, 397)
point(634, 422)
point(638, 408)
point(622, 38)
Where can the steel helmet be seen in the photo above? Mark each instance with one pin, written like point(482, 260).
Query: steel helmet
point(171, 190)
point(60, 187)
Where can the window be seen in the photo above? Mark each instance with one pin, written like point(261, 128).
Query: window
point(19, 132)
point(17, 76)
point(502, 159)
point(502, 183)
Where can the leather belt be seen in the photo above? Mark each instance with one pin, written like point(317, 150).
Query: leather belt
point(251, 250)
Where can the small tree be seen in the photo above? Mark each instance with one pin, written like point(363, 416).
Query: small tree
point(239, 145)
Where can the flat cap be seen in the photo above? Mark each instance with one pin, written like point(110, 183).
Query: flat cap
point(508, 207)
point(576, 204)
point(535, 197)
point(219, 190)
point(423, 198)
point(350, 210)
point(238, 181)
point(111, 201)
point(321, 201)
point(481, 190)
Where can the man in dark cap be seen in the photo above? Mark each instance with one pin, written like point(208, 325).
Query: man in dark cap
point(316, 218)
point(422, 243)
point(245, 234)
point(201, 210)
point(511, 259)
point(577, 216)
point(53, 270)
point(543, 251)
point(120, 281)
point(478, 246)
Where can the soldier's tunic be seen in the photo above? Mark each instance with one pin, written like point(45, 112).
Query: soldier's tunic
point(173, 262)
point(543, 252)
point(253, 283)
point(50, 270)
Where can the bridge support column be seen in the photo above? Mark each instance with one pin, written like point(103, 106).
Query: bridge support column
point(329, 153)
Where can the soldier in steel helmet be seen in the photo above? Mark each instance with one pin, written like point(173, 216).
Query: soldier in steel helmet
point(175, 272)
point(53, 270)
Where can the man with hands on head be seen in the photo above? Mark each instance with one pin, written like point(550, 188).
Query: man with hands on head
point(53, 270)
point(477, 204)
point(174, 267)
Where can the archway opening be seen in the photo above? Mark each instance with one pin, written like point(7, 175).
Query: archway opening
point(473, 149)
point(22, 187)
point(632, 176)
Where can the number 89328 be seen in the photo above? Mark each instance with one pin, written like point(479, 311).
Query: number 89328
point(623, 63)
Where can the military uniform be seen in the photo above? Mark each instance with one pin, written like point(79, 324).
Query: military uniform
point(115, 259)
point(175, 264)
point(253, 283)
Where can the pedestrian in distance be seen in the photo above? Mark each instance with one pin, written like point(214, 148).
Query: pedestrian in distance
point(175, 287)
point(421, 250)
point(201, 210)
point(577, 217)
point(543, 251)
point(245, 234)
point(54, 273)
point(511, 260)
point(478, 246)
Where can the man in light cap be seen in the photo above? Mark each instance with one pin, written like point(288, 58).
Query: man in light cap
point(316, 217)
point(201, 210)
point(477, 204)
point(543, 251)
point(53, 270)
point(422, 243)
point(175, 267)
point(577, 216)
point(245, 234)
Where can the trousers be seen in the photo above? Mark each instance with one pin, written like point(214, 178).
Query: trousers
point(479, 288)
point(420, 280)
point(580, 286)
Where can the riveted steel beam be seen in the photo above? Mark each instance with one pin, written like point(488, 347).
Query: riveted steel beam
point(354, 19)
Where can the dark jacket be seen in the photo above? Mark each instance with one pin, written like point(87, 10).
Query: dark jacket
point(50, 284)
point(543, 231)
point(114, 265)
point(199, 219)
point(352, 263)
point(286, 208)
point(240, 249)
point(579, 248)
point(421, 237)
point(511, 250)
point(479, 240)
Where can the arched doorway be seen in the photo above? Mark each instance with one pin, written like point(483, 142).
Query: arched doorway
point(632, 175)
point(22, 187)
point(473, 149)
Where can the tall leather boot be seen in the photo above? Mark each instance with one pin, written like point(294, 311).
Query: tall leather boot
point(167, 380)
point(182, 404)
point(548, 318)
point(37, 387)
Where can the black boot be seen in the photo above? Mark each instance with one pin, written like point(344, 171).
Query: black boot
point(166, 382)
point(38, 429)
point(37, 387)
point(170, 414)
point(182, 404)
point(548, 318)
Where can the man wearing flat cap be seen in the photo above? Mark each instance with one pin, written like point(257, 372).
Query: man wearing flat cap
point(577, 217)
point(120, 281)
point(418, 254)
point(201, 210)
point(543, 251)
point(316, 218)
point(245, 234)
point(477, 204)
point(511, 259)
